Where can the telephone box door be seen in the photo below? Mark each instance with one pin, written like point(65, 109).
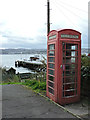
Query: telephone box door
point(70, 69)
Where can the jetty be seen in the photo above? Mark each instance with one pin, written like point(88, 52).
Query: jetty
point(33, 63)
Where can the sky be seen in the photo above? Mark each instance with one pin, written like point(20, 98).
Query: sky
point(23, 23)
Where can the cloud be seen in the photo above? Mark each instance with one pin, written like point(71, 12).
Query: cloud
point(17, 38)
point(10, 41)
point(22, 22)
point(24, 45)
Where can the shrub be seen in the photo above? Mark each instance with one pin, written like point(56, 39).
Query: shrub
point(85, 75)
point(85, 60)
point(34, 84)
point(8, 77)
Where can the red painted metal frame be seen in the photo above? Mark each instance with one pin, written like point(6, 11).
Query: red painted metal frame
point(58, 90)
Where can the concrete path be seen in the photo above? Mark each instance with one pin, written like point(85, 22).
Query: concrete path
point(20, 102)
point(0, 102)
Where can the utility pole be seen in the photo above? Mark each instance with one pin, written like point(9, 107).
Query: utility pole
point(48, 16)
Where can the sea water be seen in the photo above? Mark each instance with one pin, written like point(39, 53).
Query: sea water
point(8, 60)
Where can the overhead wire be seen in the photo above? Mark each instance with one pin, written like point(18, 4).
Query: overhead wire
point(65, 15)
point(73, 6)
point(70, 11)
point(85, 21)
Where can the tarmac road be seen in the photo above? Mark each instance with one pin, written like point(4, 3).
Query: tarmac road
point(20, 102)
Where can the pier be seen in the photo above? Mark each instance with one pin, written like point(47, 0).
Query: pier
point(33, 65)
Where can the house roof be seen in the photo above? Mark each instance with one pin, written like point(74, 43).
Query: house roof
point(9, 68)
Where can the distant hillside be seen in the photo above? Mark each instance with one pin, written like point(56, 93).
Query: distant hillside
point(23, 51)
point(32, 51)
point(85, 51)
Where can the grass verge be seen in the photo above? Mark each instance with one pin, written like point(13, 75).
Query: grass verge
point(19, 83)
point(37, 86)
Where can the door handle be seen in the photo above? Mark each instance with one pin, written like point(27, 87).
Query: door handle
point(60, 66)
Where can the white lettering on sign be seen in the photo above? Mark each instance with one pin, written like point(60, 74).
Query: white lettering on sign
point(69, 36)
point(52, 37)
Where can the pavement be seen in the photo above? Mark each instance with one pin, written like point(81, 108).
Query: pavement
point(21, 102)
point(79, 108)
point(0, 101)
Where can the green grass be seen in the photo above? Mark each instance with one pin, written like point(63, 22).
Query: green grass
point(19, 83)
point(34, 84)
point(37, 86)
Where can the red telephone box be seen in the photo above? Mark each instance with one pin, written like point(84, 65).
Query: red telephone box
point(63, 65)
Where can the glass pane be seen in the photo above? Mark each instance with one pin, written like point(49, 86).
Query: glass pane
point(69, 86)
point(76, 85)
point(68, 46)
point(69, 93)
point(64, 61)
point(52, 47)
point(69, 66)
point(76, 92)
point(74, 66)
point(51, 59)
point(63, 45)
point(51, 78)
point(69, 73)
point(50, 84)
point(74, 47)
point(51, 90)
point(50, 65)
point(63, 73)
point(69, 79)
point(64, 54)
point(71, 53)
point(51, 72)
point(51, 53)
point(72, 60)
point(74, 53)
point(68, 60)
point(71, 46)
point(76, 78)
point(68, 53)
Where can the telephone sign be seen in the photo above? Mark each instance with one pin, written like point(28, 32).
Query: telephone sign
point(69, 36)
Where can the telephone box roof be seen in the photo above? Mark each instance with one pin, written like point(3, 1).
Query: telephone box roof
point(59, 30)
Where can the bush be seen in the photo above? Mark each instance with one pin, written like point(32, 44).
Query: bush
point(85, 67)
point(85, 75)
point(8, 77)
point(34, 84)
point(85, 61)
